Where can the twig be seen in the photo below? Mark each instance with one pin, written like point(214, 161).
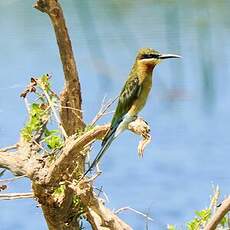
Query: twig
point(93, 178)
point(41, 147)
point(11, 179)
point(133, 210)
point(54, 113)
point(13, 196)
point(8, 148)
point(219, 214)
point(27, 105)
point(75, 111)
point(100, 190)
point(103, 110)
point(214, 199)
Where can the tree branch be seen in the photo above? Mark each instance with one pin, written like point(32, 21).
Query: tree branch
point(68, 160)
point(13, 162)
point(7, 180)
point(8, 148)
point(219, 214)
point(25, 161)
point(97, 214)
point(14, 196)
point(63, 171)
point(71, 95)
point(71, 153)
point(133, 210)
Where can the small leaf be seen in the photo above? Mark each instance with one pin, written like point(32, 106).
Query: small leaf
point(53, 141)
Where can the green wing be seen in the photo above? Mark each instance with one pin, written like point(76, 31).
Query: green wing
point(128, 95)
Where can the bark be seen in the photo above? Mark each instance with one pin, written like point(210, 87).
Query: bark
point(70, 113)
point(219, 215)
point(60, 211)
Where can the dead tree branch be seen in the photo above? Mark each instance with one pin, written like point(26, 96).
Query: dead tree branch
point(133, 210)
point(104, 108)
point(97, 214)
point(12, 162)
point(219, 214)
point(14, 196)
point(71, 95)
point(24, 161)
point(46, 177)
point(68, 161)
point(63, 167)
point(7, 180)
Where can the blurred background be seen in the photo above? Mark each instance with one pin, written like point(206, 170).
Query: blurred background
point(188, 109)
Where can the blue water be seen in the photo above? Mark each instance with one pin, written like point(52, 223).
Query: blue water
point(188, 109)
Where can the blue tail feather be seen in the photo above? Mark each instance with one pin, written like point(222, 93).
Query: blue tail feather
point(111, 132)
point(116, 128)
point(104, 147)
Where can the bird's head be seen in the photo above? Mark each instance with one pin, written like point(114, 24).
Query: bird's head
point(151, 57)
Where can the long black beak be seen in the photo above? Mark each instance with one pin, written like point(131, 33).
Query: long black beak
point(165, 56)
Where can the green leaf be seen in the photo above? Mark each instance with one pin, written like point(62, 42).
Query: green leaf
point(51, 132)
point(194, 224)
point(44, 83)
point(204, 214)
point(199, 220)
point(54, 142)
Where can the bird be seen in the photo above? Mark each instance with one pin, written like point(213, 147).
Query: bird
point(133, 96)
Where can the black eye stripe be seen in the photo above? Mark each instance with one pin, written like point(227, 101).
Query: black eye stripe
point(145, 56)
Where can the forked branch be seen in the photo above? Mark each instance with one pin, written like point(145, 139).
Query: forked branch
point(75, 144)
